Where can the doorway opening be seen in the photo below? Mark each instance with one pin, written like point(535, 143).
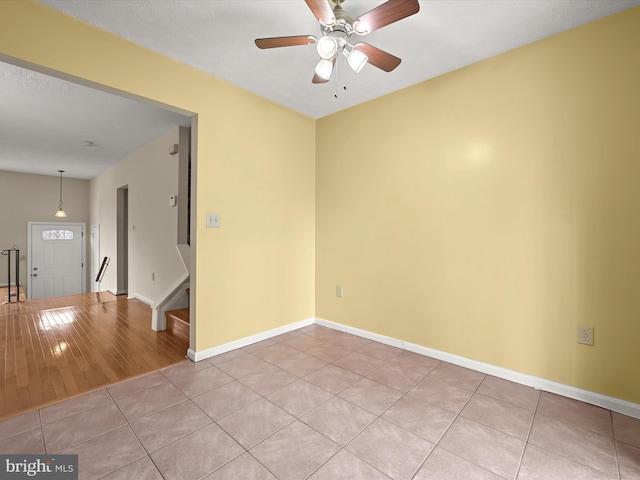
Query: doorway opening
point(122, 248)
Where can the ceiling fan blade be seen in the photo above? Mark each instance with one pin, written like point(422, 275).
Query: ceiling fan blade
point(322, 11)
point(274, 42)
point(378, 58)
point(387, 13)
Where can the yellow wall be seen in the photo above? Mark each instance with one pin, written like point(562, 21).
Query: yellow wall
point(485, 213)
point(489, 212)
point(255, 166)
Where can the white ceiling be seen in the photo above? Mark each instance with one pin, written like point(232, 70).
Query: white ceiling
point(217, 36)
point(44, 122)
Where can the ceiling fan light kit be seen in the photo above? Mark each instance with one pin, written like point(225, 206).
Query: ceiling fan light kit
point(324, 68)
point(327, 47)
point(356, 59)
point(337, 26)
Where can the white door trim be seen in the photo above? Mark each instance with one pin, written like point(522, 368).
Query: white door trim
point(95, 255)
point(57, 225)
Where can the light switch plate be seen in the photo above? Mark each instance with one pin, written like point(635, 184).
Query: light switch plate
point(213, 220)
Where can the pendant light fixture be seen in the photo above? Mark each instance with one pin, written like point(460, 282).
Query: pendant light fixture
point(60, 213)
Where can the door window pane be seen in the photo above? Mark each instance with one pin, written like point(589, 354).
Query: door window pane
point(57, 235)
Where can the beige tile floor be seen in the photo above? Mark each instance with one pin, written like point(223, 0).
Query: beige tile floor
point(321, 404)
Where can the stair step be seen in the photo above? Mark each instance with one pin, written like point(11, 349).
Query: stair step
point(182, 314)
point(178, 322)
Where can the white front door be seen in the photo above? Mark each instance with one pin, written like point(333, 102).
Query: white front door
point(56, 259)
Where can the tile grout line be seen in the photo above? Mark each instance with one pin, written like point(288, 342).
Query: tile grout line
point(435, 445)
point(259, 463)
point(586, 430)
point(615, 445)
point(187, 399)
point(526, 443)
point(298, 418)
point(87, 439)
point(217, 425)
point(573, 460)
point(424, 460)
point(459, 415)
point(128, 424)
point(44, 444)
point(377, 417)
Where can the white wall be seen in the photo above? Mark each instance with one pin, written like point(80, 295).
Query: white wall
point(34, 198)
point(152, 176)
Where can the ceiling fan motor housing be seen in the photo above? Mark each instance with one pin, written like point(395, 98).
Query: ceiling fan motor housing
point(341, 38)
point(344, 22)
point(339, 32)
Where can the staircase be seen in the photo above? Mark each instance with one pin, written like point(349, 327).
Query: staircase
point(173, 298)
point(178, 323)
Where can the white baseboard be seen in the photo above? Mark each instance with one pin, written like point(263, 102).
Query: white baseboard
point(615, 404)
point(243, 342)
point(611, 403)
point(141, 298)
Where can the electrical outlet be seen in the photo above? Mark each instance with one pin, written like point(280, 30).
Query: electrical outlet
point(585, 335)
point(339, 291)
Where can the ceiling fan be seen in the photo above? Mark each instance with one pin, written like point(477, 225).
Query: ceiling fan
point(337, 27)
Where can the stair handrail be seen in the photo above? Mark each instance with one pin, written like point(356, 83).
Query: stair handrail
point(16, 261)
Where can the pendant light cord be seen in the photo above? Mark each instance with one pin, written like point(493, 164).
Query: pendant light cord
point(60, 204)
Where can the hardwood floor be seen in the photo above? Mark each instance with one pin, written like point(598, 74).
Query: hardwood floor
point(4, 294)
point(57, 348)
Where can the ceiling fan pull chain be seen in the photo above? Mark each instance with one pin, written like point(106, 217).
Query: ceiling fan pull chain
point(346, 75)
point(337, 80)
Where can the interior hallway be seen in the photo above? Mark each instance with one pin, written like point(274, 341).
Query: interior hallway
point(56, 348)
